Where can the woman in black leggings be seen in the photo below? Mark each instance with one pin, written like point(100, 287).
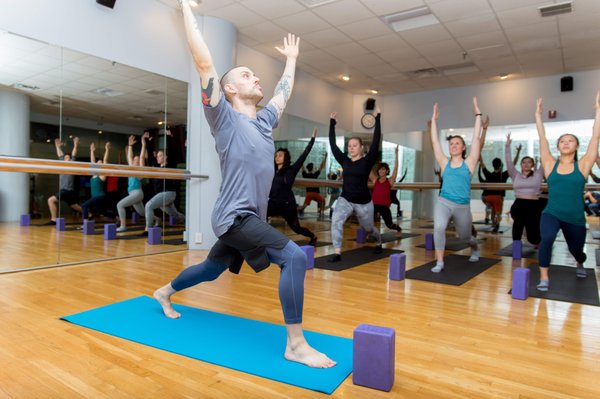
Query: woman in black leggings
point(281, 198)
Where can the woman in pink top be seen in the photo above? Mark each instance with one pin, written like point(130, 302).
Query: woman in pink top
point(527, 208)
point(382, 187)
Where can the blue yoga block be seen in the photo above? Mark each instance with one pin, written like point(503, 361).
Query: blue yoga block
point(154, 236)
point(88, 227)
point(397, 266)
point(517, 249)
point(374, 357)
point(110, 231)
point(171, 220)
point(135, 218)
point(429, 242)
point(309, 251)
point(60, 224)
point(361, 235)
point(520, 283)
point(24, 220)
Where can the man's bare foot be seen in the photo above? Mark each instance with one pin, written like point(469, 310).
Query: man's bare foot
point(305, 354)
point(163, 296)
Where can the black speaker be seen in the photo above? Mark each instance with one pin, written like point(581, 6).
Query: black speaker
point(566, 83)
point(107, 3)
point(370, 104)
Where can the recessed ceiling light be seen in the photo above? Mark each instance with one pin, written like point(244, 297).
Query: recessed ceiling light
point(160, 122)
point(503, 76)
point(410, 19)
point(373, 91)
point(99, 131)
point(193, 3)
point(108, 92)
point(345, 78)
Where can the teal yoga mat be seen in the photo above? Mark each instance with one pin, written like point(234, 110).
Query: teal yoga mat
point(251, 346)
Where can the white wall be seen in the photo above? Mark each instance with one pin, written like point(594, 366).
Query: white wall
point(508, 102)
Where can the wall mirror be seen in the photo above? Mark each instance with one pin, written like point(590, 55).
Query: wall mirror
point(65, 98)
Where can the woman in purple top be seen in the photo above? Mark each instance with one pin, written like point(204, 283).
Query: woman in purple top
point(527, 208)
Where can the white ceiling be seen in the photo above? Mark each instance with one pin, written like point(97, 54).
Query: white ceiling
point(348, 37)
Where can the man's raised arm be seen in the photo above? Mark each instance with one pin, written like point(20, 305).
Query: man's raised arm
point(284, 87)
point(211, 89)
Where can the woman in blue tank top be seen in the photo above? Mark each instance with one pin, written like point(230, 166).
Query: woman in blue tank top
point(566, 181)
point(455, 194)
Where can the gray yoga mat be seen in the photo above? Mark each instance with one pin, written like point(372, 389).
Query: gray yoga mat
point(353, 258)
point(457, 270)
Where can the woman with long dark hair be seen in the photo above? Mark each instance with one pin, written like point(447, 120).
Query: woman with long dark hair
point(281, 197)
point(566, 182)
point(526, 210)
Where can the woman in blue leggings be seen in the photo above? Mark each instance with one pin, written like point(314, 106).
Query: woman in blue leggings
point(455, 194)
point(566, 181)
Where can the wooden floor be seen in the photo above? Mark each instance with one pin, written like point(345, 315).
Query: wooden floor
point(470, 341)
point(37, 245)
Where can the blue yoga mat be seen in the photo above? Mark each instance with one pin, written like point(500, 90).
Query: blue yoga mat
point(251, 346)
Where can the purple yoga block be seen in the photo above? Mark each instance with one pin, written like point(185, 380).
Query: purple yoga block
point(24, 220)
point(135, 218)
point(60, 224)
point(110, 231)
point(397, 266)
point(309, 250)
point(361, 235)
point(154, 236)
point(171, 220)
point(517, 248)
point(520, 283)
point(88, 227)
point(429, 242)
point(374, 357)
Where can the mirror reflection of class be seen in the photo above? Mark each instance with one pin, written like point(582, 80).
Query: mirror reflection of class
point(68, 108)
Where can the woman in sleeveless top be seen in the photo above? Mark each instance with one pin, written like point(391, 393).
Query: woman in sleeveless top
point(455, 194)
point(382, 187)
point(566, 181)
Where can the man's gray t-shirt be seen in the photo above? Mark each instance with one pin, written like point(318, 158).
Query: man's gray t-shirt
point(246, 150)
point(66, 182)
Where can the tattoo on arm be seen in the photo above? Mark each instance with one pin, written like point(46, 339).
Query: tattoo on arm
point(207, 92)
point(284, 88)
point(278, 108)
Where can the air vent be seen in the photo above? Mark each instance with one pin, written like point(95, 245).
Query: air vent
point(315, 3)
point(458, 69)
point(556, 9)
point(424, 73)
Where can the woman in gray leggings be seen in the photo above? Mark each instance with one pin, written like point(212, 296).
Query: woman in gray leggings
point(355, 196)
point(455, 195)
point(135, 195)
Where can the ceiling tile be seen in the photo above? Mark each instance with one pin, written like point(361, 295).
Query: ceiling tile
point(326, 38)
point(347, 51)
point(303, 22)
point(273, 9)
point(365, 29)
point(474, 25)
point(398, 54)
point(343, 12)
point(385, 7)
point(239, 15)
point(501, 5)
point(383, 43)
point(448, 10)
point(440, 48)
point(522, 16)
point(266, 32)
point(427, 34)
